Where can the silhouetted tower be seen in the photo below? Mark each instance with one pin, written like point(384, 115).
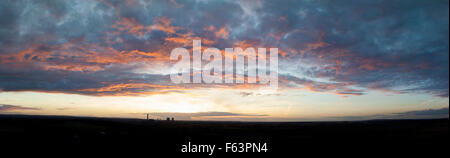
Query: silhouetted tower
point(147, 116)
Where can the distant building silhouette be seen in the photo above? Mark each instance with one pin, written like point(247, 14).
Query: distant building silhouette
point(168, 118)
point(173, 119)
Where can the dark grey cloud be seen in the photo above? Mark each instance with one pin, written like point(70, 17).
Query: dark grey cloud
point(391, 45)
point(80, 82)
point(419, 114)
point(67, 46)
point(6, 108)
point(429, 113)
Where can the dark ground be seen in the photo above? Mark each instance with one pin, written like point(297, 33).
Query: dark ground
point(106, 136)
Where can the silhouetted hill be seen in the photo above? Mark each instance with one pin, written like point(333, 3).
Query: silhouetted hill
point(131, 136)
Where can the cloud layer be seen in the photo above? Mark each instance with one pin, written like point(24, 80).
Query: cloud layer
point(110, 47)
point(6, 108)
point(204, 115)
point(419, 114)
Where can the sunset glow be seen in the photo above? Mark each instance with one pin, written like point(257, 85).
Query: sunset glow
point(336, 61)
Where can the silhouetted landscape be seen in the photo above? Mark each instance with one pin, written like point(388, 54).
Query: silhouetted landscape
point(132, 136)
point(224, 78)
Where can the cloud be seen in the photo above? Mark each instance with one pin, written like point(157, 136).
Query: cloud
point(344, 48)
point(5, 107)
point(419, 114)
point(64, 108)
point(429, 113)
point(338, 88)
point(227, 116)
point(203, 115)
point(245, 94)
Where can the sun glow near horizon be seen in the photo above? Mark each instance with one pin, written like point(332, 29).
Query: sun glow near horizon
point(243, 105)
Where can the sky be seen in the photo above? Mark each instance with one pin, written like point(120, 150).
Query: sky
point(338, 60)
